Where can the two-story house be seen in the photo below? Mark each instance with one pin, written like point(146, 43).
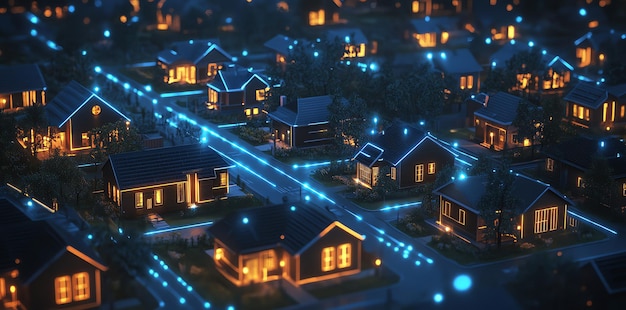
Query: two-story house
point(21, 86)
point(192, 61)
point(413, 157)
point(596, 107)
point(237, 90)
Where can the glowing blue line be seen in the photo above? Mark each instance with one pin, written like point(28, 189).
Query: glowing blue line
point(592, 222)
point(408, 204)
point(231, 125)
point(154, 232)
point(244, 167)
point(464, 162)
point(182, 93)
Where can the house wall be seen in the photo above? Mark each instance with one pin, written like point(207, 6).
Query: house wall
point(548, 199)
point(310, 136)
point(469, 228)
point(13, 101)
point(427, 152)
point(502, 135)
point(228, 264)
point(41, 292)
point(311, 259)
point(282, 130)
point(595, 117)
point(84, 121)
point(170, 203)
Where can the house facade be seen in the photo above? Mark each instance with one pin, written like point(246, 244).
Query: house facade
point(355, 42)
point(282, 249)
point(412, 156)
point(73, 113)
point(439, 32)
point(304, 123)
point(165, 179)
point(321, 12)
point(539, 208)
point(281, 46)
point(21, 86)
point(237, 90)
point(461, 65)
point(42, 263)
point(596, 107)
point(192, 62)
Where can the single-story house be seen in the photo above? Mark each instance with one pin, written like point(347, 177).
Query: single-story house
point(237, 89)
point(21, 86)
point(192, 61)
point(303, 123)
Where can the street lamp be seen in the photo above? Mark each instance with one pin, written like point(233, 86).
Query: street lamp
point(377, 263)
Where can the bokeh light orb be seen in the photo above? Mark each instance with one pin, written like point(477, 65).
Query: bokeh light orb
point(462, 283)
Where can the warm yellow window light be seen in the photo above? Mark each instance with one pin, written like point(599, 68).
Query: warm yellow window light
point(81, 286)
point(62, 292)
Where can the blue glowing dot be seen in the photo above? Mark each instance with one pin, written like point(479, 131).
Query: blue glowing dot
point(307, 197)
point(295, 166)
point(347, 39)
point(97, 69)
point(71, 8)
point(33, 32)
point(375, 120)
point(582, 12)
point(417, 263)
point(623, 36)
point(293, 208)
point(512, 42)
point(373, 66)
point(107, 33)
point(429, 56)
point(182, 300)
point(406, 131)
point(155, 274)
point(150, 271)
point(245, 220)
point(120, 230)
point(442, 55)
point(134, 19)
point(126, 86)
point(34, 19)
point(155, 257)
point(462, 283)
point(154, 101)
point(229, 20)
point(164, 283)
point(189, 288)
point(244, 53)
point(207, 305)
point(90, 236)
point(531, 44)
point(488, 41)
point(455, 144)
point(388, 244)
point(230, 308)
point(493, 64)
point(601, 143)
point(427, 18)
point(409, 248)
point(422, 123)
point(438, 298)
point(462, 176)
point(372, 132)
point(543, 52)
point(290, 47)
point(348, 62)
point(315, 54)
point(83, 52)
point(148, 88)
point(428, 260)
point(518, 19)
point(96, 89)
point(395, 249)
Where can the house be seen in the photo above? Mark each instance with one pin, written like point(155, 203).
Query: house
point(461, 65)
point(424, 8)
point(321, 12)
point(298, 243)
point(567, 163)
point(596, 107)
point(21, 86)
point(355, 42)
point(603, 276)
point(591, 48)
point(413, 157)
point(281, 46)
point(165, 179)
point(303, 123)
point(437, 32)
point(73, 113)
point(497, 20)
point(44, 263)
point(192, 61)
point(493, 122)
point(239, 90)
point(539, 208)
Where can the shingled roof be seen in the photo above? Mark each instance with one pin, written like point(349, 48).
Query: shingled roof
point(467, 192)
point(457, 61)
point(167, 164)
point(19, 78)
point(291, 226)
point(310, 110)
point(501, 108)
point(611, 270)
point(234, 79)
point(193, 51)
point(283, 44)
point(347, 35)
point(587, 94)
point(71, 98)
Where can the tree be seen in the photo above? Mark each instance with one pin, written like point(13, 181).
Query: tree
point(347, 120)
point(551, 121)
point(114, 138)
point(499, 79)
point(598, 183)
point(127, 251)
point(528, 123)
point(497, 205)
point(67, 174)
point(444, 176)
point(384, 184)
point(482, 166)
point(33, 126)
point(522, 73)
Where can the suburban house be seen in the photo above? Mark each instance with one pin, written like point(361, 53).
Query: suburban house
point(596, 107)
point(603, 276)
point(424, 8)
point(413, 157)
point(355, 42)
point(567, 162)
point(281, 46)
point(21, 86)
point(73, 113)
point(438, 32)
point(493, 122)
point(192, 61)
point(591, 48)
point(299, 243)
point(165, 179)
point(44, 264)
point(321, 12)
point(303, 123)
point(539, 210)
point(461, 65)
point(237, 89)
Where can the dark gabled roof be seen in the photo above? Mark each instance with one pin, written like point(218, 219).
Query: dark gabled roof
point(619, 91)
point(292, 226)
point(587, 94)
point(579, 152)
point(283, 44)
point(233, 79)
point(69, 100)
point(310, 110)
point(435, 24)
point(348, 35)
point(393, 144)
point(467, 192)
point(611, 270)
point(19, 78)
point(166, 164)
point(501, 108)
point(457, 61)
point(192, 51)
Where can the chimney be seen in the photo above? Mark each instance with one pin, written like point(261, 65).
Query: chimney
point(486, 100)
point(283, 100)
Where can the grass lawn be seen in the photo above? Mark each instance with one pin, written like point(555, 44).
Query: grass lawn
point(415, 229)
point(456, 134)
point(211, 211)
point(198, 270)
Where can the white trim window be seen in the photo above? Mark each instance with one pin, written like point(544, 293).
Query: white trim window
point(447, 208)
point(461, 217)
point(139, 200)
point(344, 259)
point(431, 168)
point(546, 220)
point(328, 258)
point(365, 174)
point(579, 182)
point(180, 192)
point(158, 197)
point(393, 173)
point(419, 173)
point(549, 164)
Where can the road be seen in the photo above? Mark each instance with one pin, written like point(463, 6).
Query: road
point(426, 278)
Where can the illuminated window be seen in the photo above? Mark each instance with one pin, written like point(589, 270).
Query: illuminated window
point(248, 112)
point(219, 253)
point(419, 173)
point(622, 111)
point(426, 39)
point(3, 291)
point(223, 179)
point(546, 220)
point(571, 221)
point(213, 96)
point(81, 286)
point(316, 18)
point(510, 32)
point(463, 82)
point(328, 259)
point(269, 260)
point(549, 164)
point(62, 290)
point(431, 168)
point(158, 197)
point(212, 69)
point(260, 94)
point(255, 111)
point(605, 108)
point(444, 37)
point(624, 189)
point(365, 174)
point(447, 208)
point(113, 193)
point(139, 200)
point(180, 192)
point(461, 217)
point(344, 258)
point(579, 182)
point(84, 137)
point(584, 56)
point(393, 173)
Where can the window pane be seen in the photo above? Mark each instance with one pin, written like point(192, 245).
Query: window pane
point(81, 286)
point(62, 290)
